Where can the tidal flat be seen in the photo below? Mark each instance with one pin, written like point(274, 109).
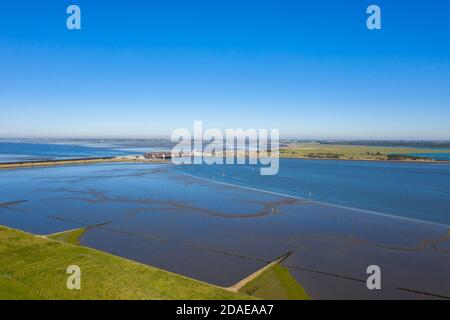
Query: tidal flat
point(217, 233)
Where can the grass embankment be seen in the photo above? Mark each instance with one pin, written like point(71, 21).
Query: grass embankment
point(28, 164)
point(348, 152)
point(272, 282)
point(51, 163)
point(12, 290)
point(275, 283)
point(33, 267)
point(70, 236)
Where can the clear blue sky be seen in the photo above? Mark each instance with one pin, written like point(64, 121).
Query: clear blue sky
point(143, 68)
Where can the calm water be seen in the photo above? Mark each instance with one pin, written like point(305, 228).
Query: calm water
point(20, 151)
point(159, 215)
point(418, 191)
point(435, 156)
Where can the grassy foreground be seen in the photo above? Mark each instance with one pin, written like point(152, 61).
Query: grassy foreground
point(272, 282)
point(33, 267)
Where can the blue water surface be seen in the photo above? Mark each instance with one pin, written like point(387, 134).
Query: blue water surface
point(413, 190)
point(435, 156)
point(22, 151)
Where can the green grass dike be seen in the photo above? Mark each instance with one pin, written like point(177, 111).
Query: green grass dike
point(69, 236)
point(275, 283)
point(35, 267)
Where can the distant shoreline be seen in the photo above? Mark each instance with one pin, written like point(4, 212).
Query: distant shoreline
point(140, 159)
point(363, 153)
point(78, 161)
point(372, 160)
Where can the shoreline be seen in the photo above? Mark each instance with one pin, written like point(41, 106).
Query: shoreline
point(78, 161)
point(373, 160)
point(140, 159)
point(365, 153)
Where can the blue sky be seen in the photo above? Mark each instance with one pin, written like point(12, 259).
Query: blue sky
point(144, 68)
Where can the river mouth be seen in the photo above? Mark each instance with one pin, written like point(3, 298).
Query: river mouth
point(220, 234)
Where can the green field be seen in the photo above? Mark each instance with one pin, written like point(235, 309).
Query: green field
point(12, 290)
point(349, 152)
point(33, 267)
point(275, 283)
